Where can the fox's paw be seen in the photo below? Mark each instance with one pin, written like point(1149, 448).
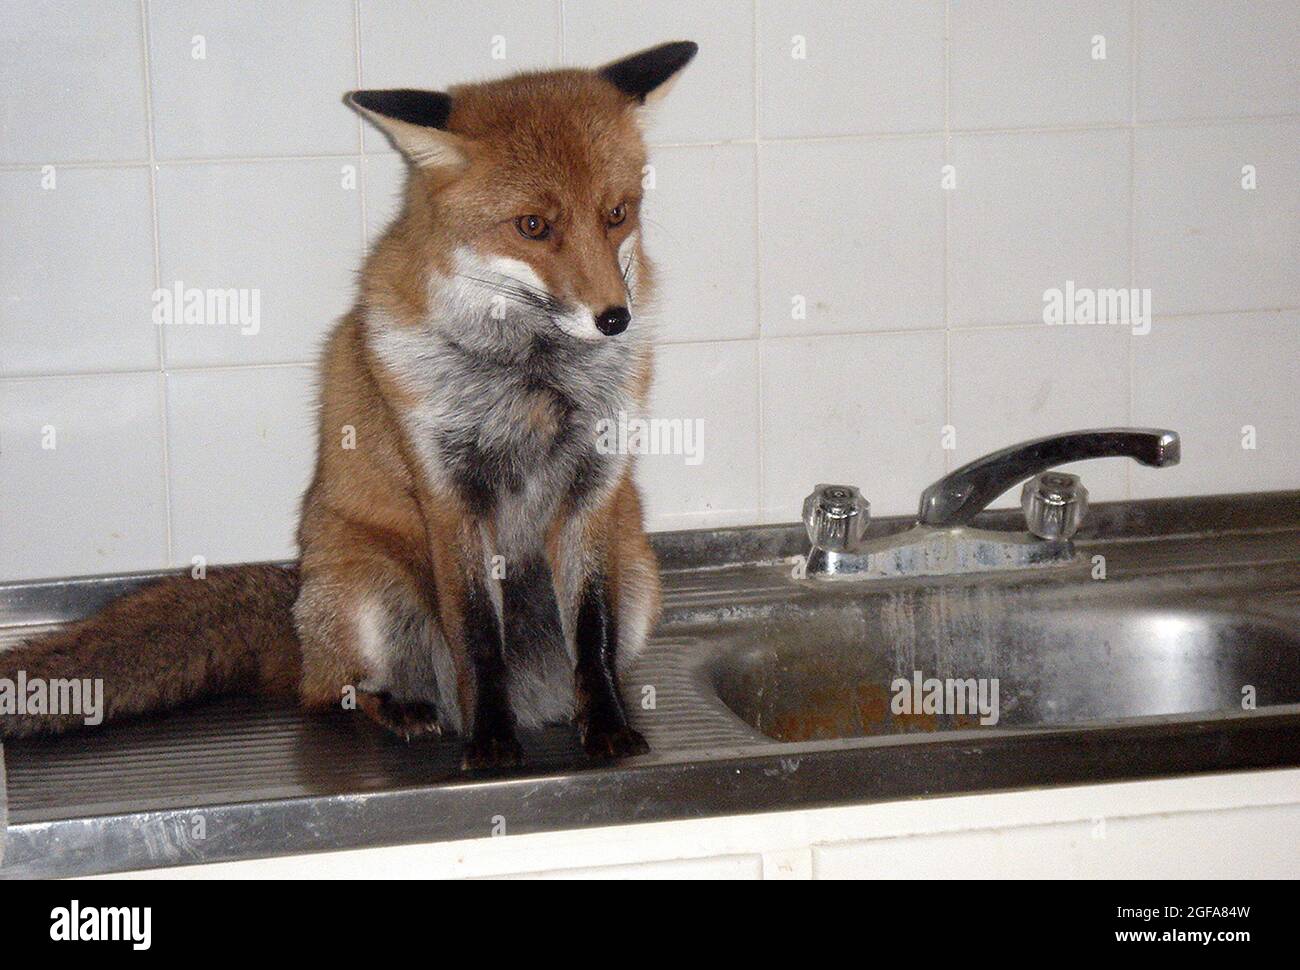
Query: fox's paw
point(406, 719)
point(615, 741)
point(492, 752)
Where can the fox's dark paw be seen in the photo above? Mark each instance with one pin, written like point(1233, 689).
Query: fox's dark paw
point(492, 752)
point(406, 719)
point(612, 742)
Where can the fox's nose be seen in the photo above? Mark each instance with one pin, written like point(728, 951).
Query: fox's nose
point(612, 320)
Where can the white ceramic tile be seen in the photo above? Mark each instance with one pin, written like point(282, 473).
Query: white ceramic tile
point(270, 81)
point(1010, 385)
point(289, 231)
point(93, 502)
point(699, 231)
point(1205, 243)
point(1037, 63)
point(76, 269)
point(714, 387)
point(437, 43)
point(1217, 58)
point(866, 67)
point(242, 446)
point(713, 100)
point(855, 229)
point(385, 183)
point(1208, 378)
point(1030, 212)
point(72, 82)
point(865, 410)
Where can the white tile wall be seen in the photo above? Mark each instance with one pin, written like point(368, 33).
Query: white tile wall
point(287, 231)
point(73, 78)
point(696, 190)
point(385, 182)
point(1229, 384)
point(235, 491)
point(1028, 64)
point(803, 155)
point(1217, 58)
point(716, 385)
point(852, 235)
point(848, 68)
point(860, 408)
point(1206, 242)
point(246, 79)
point(1030, 212)
point(82, 488)
point(94, 317)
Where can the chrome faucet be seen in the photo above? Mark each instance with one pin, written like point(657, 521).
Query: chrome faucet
point(943, 542)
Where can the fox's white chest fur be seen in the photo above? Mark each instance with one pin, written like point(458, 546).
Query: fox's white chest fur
point(509, 408)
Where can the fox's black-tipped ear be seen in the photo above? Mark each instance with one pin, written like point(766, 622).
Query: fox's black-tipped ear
point(428, 108)
point(415, 120)
point(640, 74)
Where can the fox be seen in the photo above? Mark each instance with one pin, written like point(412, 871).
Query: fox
point(470, 562)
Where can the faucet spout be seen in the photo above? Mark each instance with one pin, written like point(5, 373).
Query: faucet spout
point(958, 497)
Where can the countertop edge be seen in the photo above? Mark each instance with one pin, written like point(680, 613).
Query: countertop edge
point(839, 774)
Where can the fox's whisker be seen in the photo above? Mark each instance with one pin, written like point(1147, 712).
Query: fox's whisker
point(519, 291)
point(627, 286)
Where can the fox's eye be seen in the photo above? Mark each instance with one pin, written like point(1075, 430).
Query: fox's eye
point(617, 214)
point(533, 227)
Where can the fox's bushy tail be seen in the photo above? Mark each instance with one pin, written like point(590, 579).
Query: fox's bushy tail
point(170, 642)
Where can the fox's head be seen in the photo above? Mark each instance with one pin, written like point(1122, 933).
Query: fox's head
point(525, 193)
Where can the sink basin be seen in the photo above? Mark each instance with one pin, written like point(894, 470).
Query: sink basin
point(853, 673)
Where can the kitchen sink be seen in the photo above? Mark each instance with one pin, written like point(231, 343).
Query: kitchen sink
point(856, 672)
point(1169, 646)
point(1167, 617)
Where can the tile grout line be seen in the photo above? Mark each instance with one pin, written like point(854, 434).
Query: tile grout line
point(164, 410)
point(947, 232)
point(139, 371)
point(1171, 125)
point(364, 167)
point(760, 351)
point(180, 162)
point(559, 26)
point(1132, 219)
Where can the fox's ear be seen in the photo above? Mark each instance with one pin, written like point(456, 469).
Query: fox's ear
point(416, 121)
point(642, 74)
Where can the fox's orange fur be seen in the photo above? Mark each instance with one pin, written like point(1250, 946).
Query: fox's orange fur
point(464, 549)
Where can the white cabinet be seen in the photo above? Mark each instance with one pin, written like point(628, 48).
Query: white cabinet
point(1231, 825)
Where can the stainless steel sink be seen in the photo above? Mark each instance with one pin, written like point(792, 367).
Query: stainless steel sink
point(759, 691)
point(852, 672)
point(1166, 618)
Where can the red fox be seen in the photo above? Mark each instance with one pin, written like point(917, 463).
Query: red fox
point(472, 562)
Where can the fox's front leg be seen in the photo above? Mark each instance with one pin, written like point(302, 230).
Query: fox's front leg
point(491, 739)
point(602, 719)
point(611, 583)
point(473, 636)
